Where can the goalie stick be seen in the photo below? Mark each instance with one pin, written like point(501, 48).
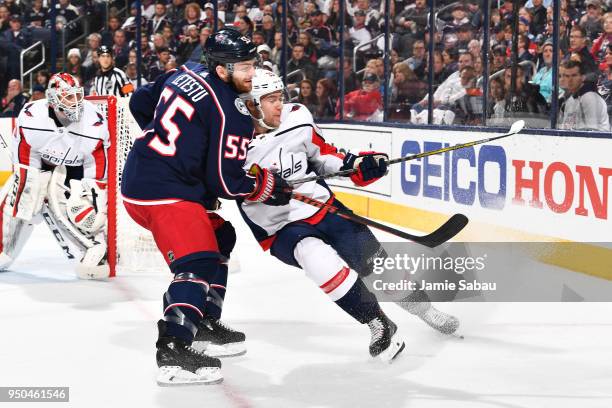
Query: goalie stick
point(445, 232)
point(514, 129)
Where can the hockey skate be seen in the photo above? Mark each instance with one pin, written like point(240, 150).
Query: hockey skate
point(181, 364)
point(436, 319)
point(218, 339)
point(385, 343)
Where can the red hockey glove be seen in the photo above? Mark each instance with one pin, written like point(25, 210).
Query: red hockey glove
point(270, 188)
point(370, 167)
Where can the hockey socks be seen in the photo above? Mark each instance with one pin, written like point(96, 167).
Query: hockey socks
point(360, 303)
point(216, 292)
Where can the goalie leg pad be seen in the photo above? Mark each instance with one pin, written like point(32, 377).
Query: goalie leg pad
point(14, 232)
point(28, 191)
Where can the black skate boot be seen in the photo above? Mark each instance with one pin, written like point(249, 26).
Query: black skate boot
point(218, 339)
point(418, 304)
point(385, 342)
point(181, 364)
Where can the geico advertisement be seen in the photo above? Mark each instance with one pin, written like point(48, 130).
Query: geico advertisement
point(547, 185)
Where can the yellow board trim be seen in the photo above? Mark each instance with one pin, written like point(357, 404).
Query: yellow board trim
point(570, 255)
point(4, 175)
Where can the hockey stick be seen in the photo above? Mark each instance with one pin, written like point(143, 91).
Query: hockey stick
point(514, 129)
point(445, 232)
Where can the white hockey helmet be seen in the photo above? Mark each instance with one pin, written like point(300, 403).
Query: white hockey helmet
point(264, 83)
point(65, 95)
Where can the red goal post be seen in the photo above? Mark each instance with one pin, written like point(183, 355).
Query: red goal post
point(130, 247)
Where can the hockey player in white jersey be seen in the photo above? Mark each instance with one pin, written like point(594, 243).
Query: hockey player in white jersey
point(334, 252)
point(59, 174)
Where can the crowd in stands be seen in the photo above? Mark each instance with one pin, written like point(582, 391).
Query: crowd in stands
point(174, 31)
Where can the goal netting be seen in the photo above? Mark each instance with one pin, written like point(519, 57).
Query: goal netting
point(130, 247)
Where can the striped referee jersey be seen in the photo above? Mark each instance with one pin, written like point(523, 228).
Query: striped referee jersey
point(112, 82)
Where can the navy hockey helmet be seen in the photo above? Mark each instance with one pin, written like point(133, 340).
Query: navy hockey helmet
point(226, 47)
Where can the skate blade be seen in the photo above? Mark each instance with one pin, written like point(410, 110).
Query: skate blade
point(220, 350)
point(395, 348)
point(170, 376)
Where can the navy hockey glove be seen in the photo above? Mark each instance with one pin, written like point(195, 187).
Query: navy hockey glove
point(270, 188)
point(369, 166)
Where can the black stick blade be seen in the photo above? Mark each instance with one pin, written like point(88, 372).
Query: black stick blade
point(448, 230)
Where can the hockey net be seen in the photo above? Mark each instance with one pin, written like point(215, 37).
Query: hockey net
point(131, 248)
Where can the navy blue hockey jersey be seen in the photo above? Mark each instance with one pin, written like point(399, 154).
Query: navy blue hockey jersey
point(194, 141)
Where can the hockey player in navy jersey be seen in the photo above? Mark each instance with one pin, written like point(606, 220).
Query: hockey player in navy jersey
point(195, 133)
point(334, 252)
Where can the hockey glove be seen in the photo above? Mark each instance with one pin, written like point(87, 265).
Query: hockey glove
point(369, 166)
point(270, 188)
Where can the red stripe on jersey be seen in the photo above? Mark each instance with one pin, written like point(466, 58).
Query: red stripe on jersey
point(83, 214)
point(336, 281)
point(267, 243)
point(324, 147)
point(99, 155)
point(24, 150)
point(22, 179)
point(318, 216)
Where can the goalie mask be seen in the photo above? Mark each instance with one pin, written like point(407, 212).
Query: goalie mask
point(264, 83)
point(65, 96)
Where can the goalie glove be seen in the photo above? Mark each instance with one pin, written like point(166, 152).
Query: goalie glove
point(86, 206)
point(368, 166)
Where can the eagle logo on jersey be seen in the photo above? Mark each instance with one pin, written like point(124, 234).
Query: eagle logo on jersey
point(241, 106)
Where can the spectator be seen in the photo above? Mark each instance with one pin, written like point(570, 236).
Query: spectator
point(108, 34)
point(439, 72)
point(366, 103)
point(209, 14)
point(307, 96)
point(298, 61)
point(451, 89)
point(245, 26)
point(543, 78)
point(605, 81)
point(171, 42)
point(17, 35)
point(38, 92)
point(592, 21)
point(13, 7)
point(310, 50)
point(69, 12)
point(326, 99)
point(159, 67)
point(600, 45)
point(241, 11)
point(268, 30)
point(497, 97)
point(4, 18)
point(42, 78)
point(372, 16)
point(579, 50)
point(417, 61)
point(198, 51)
point(524, 100)
point(499, 58)
point(584, 108)
point(188, 43)
point(94, 40)
point(319, 32)
point(538, 11)
point(406, 90)
point(129, 25)
point(159, 20)
point(464, 36)
point(468, 108)
point(120, 48)
point(132, 75)
point(264, 55)
point(258, 38)
point(192, 16)
point(148, 9)
point(73, 67)
point(358, 32)
point(175, 11)
point(14, 100)
point(292, 31)
point(36, 13)
point(256, 13)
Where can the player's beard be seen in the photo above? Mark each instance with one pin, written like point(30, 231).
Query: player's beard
point(241, 86)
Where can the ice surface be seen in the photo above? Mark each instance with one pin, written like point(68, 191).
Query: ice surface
point(98, 339)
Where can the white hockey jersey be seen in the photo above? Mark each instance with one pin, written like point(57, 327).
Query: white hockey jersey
point(39, 141)
point(296, 150)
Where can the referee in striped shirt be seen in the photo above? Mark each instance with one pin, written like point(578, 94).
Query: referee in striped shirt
point(110, 80)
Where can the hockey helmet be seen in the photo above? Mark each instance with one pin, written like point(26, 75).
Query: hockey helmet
point(226, 47)
point(105, 49)
point(65, 95)
point(264, 83)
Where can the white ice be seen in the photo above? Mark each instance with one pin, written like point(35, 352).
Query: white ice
point(98, 339)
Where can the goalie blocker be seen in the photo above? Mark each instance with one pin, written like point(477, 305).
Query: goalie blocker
point(31, 195)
